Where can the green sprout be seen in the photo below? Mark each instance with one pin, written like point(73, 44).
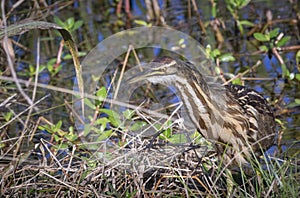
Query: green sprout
point(273, 40)
point(70, 24)
point(234, 6)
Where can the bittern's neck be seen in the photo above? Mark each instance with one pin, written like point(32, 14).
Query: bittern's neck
point(201, 109)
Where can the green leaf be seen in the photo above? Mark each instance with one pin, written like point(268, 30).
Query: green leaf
point(214, 11)
point(57, 138)
point(178, 139)
point(242, 3)
point(70, 23)
point(294, 104)
point(31, 69)
point(167, 133)
point(274, 33)
point(158, 127)
point(297, 76)
point(112, 116)
point(226, 57)
point(208, 51)
point(283, 41)
point(260, 37)
point(63, 146)
point(71, 136)
point(87, 129)
point(237, 81)
point(120, 23)
point(55, 70)
point(247, 23)
point(230, 5)
point(104, 135)
point(138, 125)
point(58, 21)
point(102, 122)
point(101, 93)
point(69, 56)
point(217, 70)
point(77, 25)
point(181, 41)
point(42, 67)
point(7, 116)
point(298, 61)
point(141, 22)
point(51, 62)
point(128, 113)
point(279, 121)
point(263, 48)
point(89, 103)
point(71, 129)
point(215, 53)
point(241, 29)
point(40, 127)
point(285, 71)
point(196, 137)
point(58, 125)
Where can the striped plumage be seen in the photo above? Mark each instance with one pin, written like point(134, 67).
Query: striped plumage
point(236, 118)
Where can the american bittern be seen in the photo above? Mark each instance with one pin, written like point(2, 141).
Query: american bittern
point(240, 122)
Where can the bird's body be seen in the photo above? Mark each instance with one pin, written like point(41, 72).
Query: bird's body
point(237, 119)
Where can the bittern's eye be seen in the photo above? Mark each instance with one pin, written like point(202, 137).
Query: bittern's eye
point(163, 69)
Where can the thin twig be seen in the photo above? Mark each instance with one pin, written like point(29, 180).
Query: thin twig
point(122, 71)
point(200, 22)
point(242, 74)
point(67, 185)
point(7, 100)
point(21, 113)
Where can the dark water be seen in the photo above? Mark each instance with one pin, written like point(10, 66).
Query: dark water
point(100, 21)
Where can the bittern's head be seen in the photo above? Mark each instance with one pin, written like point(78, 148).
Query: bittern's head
point(167, 70)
